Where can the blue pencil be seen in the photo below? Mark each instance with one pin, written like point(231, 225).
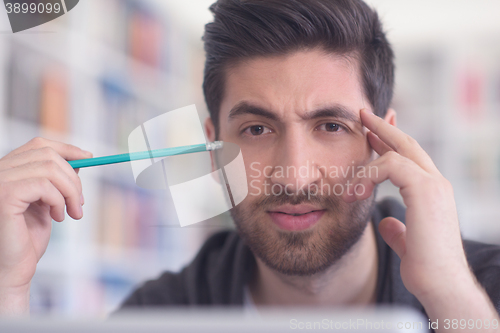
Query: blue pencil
point(120, 158)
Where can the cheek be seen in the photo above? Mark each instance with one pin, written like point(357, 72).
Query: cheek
point(341, 165)
point(358, 150)
point(256, 168)
point(256, 160)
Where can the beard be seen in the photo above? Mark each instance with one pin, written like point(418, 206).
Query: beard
point(309, 251)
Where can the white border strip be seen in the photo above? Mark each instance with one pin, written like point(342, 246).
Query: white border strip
point(64, 6)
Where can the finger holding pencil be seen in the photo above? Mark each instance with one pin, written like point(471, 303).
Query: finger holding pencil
point(38, 181)
point(36, 186)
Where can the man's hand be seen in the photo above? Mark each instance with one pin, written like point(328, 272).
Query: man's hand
point(434, 267)
point(36, 184)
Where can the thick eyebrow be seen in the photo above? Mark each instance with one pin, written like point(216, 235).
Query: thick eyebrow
point(247, 108)
point(333, 111)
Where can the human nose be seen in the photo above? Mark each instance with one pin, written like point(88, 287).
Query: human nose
point(295, 167)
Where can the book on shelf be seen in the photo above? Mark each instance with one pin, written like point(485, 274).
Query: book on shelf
point(38, 90)
point(54, 101)
point(128, 218)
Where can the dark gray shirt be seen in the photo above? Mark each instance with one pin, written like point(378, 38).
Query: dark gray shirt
point(224, 265)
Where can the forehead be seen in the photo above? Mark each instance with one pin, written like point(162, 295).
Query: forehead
point(294, 83)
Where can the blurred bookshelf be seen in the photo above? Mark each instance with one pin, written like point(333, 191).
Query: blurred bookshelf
point(89, 78)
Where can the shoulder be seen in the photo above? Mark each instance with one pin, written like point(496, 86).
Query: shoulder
point(484, 260)
point(191, 285)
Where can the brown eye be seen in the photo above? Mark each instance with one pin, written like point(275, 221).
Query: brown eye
point(256, 130)
point(332, 127)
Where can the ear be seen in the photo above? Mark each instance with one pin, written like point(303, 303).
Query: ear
point(210, 130)
point(390, 117)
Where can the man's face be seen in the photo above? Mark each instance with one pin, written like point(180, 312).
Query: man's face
point(296, 120)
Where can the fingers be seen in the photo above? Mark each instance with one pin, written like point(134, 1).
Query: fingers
point(52, 171)
point(397, 140)
point(393, 232)
point(378, 145)
point(391, 135)
point(390, 166)
point(77, 170)
point(67, 151)
point(40, 155)
point(28, 191)
point(43, 158)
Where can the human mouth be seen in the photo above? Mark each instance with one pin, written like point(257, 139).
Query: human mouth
point(296, 217)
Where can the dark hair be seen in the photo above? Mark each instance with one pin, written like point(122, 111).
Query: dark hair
point(245, 29)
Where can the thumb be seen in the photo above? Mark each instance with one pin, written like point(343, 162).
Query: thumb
point(393, 231)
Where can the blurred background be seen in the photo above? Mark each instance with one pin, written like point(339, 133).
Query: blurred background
point(93, 75)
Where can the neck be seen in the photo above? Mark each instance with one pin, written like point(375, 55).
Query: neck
point(351, 281)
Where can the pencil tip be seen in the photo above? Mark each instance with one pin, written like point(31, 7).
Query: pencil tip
point(214, 145)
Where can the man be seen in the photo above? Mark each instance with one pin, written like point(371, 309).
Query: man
point(303, 87)
point(293, 83)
